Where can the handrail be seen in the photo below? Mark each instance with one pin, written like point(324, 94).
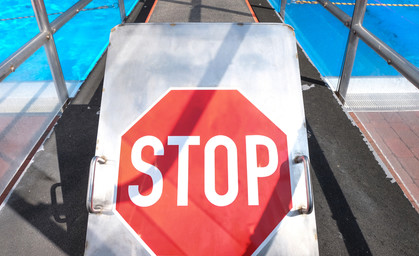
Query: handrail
point(10, 64)
point(407, 69)
point(50, 50)
point(402, 65)
point(122, 10)
point(45, 38)
point(337, 12)
point(309, 194)
point(17, 58)
point(68, 15)
point(90, 188)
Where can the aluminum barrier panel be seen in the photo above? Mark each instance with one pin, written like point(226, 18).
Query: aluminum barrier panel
point(202, 144)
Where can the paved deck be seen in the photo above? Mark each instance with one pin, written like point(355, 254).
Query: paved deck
point(395, 138)
point(359, 211)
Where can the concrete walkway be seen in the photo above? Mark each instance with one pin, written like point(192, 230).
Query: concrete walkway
point(395, 138)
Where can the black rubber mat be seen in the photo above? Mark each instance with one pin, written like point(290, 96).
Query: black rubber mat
point(201, 11)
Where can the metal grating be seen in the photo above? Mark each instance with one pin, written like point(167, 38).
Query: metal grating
point(382, 101)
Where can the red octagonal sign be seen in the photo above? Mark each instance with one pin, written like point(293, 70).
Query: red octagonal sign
point(203, 172)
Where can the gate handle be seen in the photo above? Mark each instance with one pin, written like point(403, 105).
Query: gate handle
point(92, 171)
point(306, 162)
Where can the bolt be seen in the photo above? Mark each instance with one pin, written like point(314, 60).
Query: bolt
point(101, 160)
point(98, 208)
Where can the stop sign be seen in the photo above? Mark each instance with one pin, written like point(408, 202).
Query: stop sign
point(203, 171)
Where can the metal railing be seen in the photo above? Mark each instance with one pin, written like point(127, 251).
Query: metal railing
point(354, 23)
point(45, 38)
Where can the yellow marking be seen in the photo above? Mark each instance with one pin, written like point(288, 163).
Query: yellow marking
point(343, 3)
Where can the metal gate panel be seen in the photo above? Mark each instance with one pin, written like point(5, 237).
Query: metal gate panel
point(146, 61)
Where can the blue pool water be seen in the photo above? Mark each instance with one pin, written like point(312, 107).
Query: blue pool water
point(324, 37)
point(79, 42)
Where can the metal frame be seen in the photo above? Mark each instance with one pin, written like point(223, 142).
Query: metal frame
point(407, 69)
point(50, 49)
point(199, 70)
point(122, 10)
point(45, 38)
point(92, 171)
point(309, 193)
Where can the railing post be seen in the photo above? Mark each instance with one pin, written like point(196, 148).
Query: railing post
point(282, 9)
point(51, 50)
point(122, 10)
point(352, 44)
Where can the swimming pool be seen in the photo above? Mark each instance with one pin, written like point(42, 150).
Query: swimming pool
point(79, 42)
point(323, 36)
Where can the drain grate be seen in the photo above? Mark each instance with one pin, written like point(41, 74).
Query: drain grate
point(382, 101)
